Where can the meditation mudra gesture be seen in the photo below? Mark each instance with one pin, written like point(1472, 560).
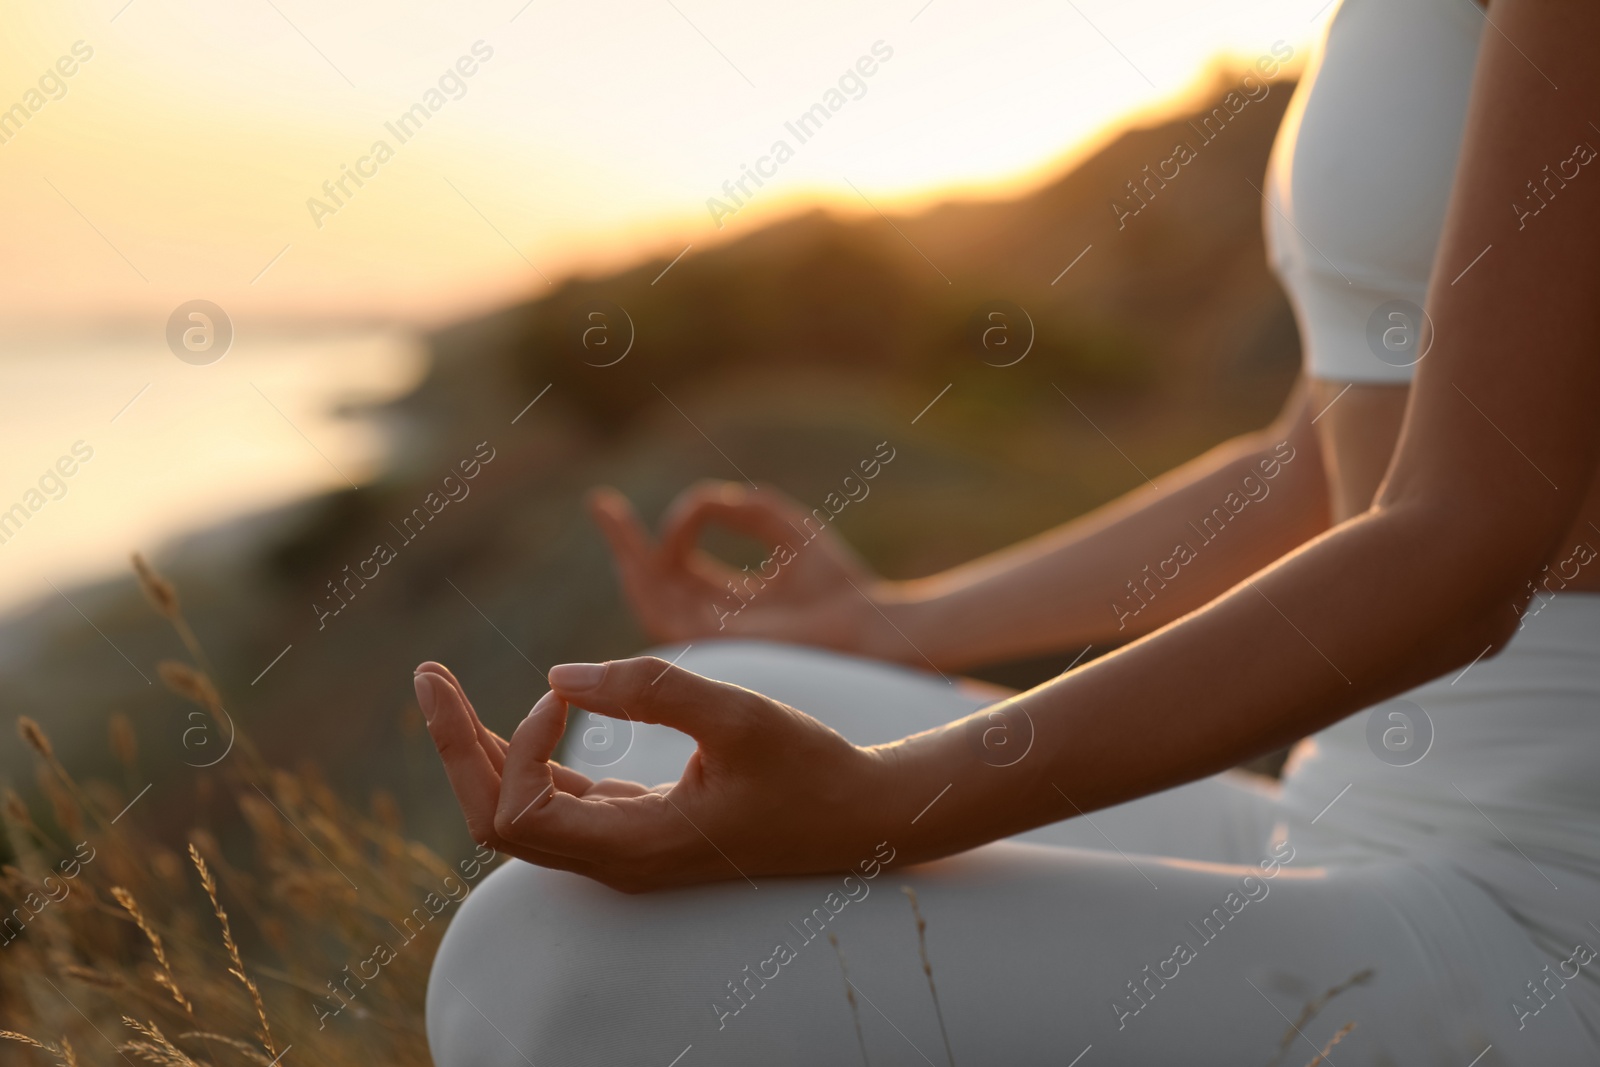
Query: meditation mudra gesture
point(1090, 877)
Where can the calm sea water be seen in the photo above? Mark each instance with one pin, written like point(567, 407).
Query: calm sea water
point(173, 447)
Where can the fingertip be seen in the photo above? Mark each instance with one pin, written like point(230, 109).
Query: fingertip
point(605, 500)
point(548, 705)
point(619, 524)
point(576, 677)
point(430, 690)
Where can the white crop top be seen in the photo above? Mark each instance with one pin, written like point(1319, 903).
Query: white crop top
point(1359, 178)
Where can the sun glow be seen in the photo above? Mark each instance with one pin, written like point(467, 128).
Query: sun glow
point(187, 153)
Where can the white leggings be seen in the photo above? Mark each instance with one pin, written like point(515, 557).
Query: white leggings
point(1185, 927)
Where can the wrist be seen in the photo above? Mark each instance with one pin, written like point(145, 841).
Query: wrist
point(925, 805)
point(965, 784)
point(909, 788)
point(900, 624)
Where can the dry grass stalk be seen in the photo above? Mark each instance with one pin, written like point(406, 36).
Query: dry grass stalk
point(69, 800)
point(124, 744)
point(850, 996)
point(927, 969)
point(157, 590)
point(17, 811)
point(63, 1054)
point(248, 1051)
point(164, 976)
point(196, 686)
point(90, 976)
point(164, 598)
point(188, 683)
point(66, 808)
point(29, 731)
point(1315, 1005)
point(157, 1049)
point(1332, 1041)
point(237, 970)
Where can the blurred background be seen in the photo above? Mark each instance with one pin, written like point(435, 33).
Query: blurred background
point(433, 232)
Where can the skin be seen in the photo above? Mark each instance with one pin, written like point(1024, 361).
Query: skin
point(1404, 541)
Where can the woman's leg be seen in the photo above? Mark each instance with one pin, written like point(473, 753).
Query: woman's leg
point(1131, 952)
point(1041, 956)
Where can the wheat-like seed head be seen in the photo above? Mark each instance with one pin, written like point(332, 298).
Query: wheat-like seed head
point(157, 1049)
point(187, 682)
point(68, 812)
point(64, 1055)
point(164, 977)
point(30, 732)
point(124, 744)
point(16, 810)
point(22, 1039)
point(237, 970)
point(157, 590)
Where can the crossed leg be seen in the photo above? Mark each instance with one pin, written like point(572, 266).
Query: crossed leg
point(1148, 933)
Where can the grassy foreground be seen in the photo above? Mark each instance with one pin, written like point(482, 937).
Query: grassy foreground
point(119, 945)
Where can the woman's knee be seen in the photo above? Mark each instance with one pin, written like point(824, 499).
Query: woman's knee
point(500, 961)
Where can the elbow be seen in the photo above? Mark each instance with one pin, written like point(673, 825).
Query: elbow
point(1480, 574)
point(1476, 624)
point(1496, 630)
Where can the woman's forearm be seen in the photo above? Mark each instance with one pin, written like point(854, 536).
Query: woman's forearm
point(1285, 653)
point(1129, 567)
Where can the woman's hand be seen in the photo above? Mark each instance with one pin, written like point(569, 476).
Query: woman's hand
point(812, 589)
point(770, 790)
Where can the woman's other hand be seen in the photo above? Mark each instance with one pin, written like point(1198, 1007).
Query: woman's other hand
point(811, 589)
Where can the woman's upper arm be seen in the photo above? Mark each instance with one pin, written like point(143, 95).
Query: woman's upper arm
point(1501, 435)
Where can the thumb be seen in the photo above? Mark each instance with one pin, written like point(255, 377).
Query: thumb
point(648, 689)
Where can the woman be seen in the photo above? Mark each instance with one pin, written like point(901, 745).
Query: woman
point(1432, 859)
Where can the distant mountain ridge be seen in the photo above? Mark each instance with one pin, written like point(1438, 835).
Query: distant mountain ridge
point(1168, 286)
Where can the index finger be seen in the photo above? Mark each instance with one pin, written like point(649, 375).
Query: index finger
point(493, 746)
point(473, 777)
point(632, 548)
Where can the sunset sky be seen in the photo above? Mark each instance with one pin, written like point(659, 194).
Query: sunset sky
point(177, 161)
